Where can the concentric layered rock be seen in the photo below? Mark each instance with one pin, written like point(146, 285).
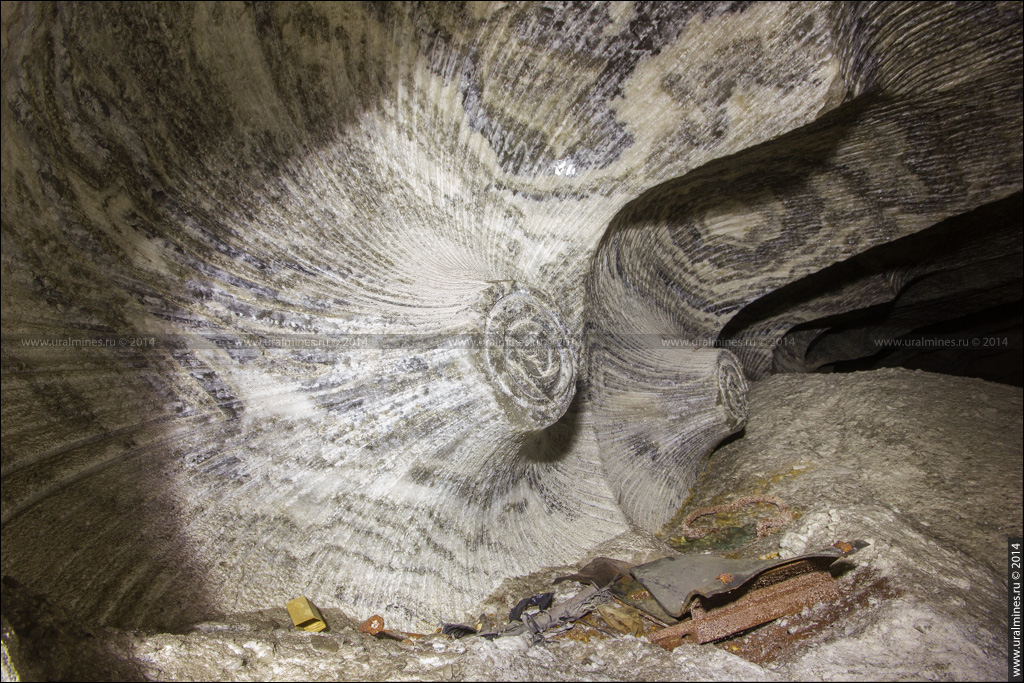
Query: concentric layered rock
point(384, 304)
point(931, 129)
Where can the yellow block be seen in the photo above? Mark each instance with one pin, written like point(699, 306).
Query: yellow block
point(305, 615)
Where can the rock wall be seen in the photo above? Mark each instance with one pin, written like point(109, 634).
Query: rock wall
point(368, 302)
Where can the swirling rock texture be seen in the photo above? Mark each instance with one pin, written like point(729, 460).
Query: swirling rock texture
point(964, 270)
point(382, 304)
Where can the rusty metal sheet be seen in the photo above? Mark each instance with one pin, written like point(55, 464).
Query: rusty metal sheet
point(756, 607)
point(674, 581)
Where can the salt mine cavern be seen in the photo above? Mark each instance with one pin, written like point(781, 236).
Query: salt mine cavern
point(409, 309)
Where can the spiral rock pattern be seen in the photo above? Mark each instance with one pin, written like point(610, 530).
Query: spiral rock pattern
point(732, 390)
point(249, 185)
point(529, 354)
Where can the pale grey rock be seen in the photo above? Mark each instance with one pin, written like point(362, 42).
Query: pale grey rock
point(385, 285)
point(682, 259)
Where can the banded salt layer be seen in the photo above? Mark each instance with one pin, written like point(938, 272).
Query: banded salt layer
point(382, 304)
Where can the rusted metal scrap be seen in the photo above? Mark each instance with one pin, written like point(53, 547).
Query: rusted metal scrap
point(766, 526)
point(724, 597)
point(755, 607)
point(374, 626)
point(675, 581)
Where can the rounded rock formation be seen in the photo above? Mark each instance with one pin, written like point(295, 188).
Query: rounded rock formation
point(529, 355)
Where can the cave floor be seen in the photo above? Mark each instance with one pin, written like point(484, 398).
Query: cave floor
point(926, 468)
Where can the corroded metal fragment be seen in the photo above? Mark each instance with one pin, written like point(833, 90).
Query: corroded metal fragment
point(756, 607)
point(675, 581)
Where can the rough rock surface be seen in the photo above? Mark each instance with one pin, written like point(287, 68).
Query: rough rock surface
point(505, 206)
point(927, 469)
